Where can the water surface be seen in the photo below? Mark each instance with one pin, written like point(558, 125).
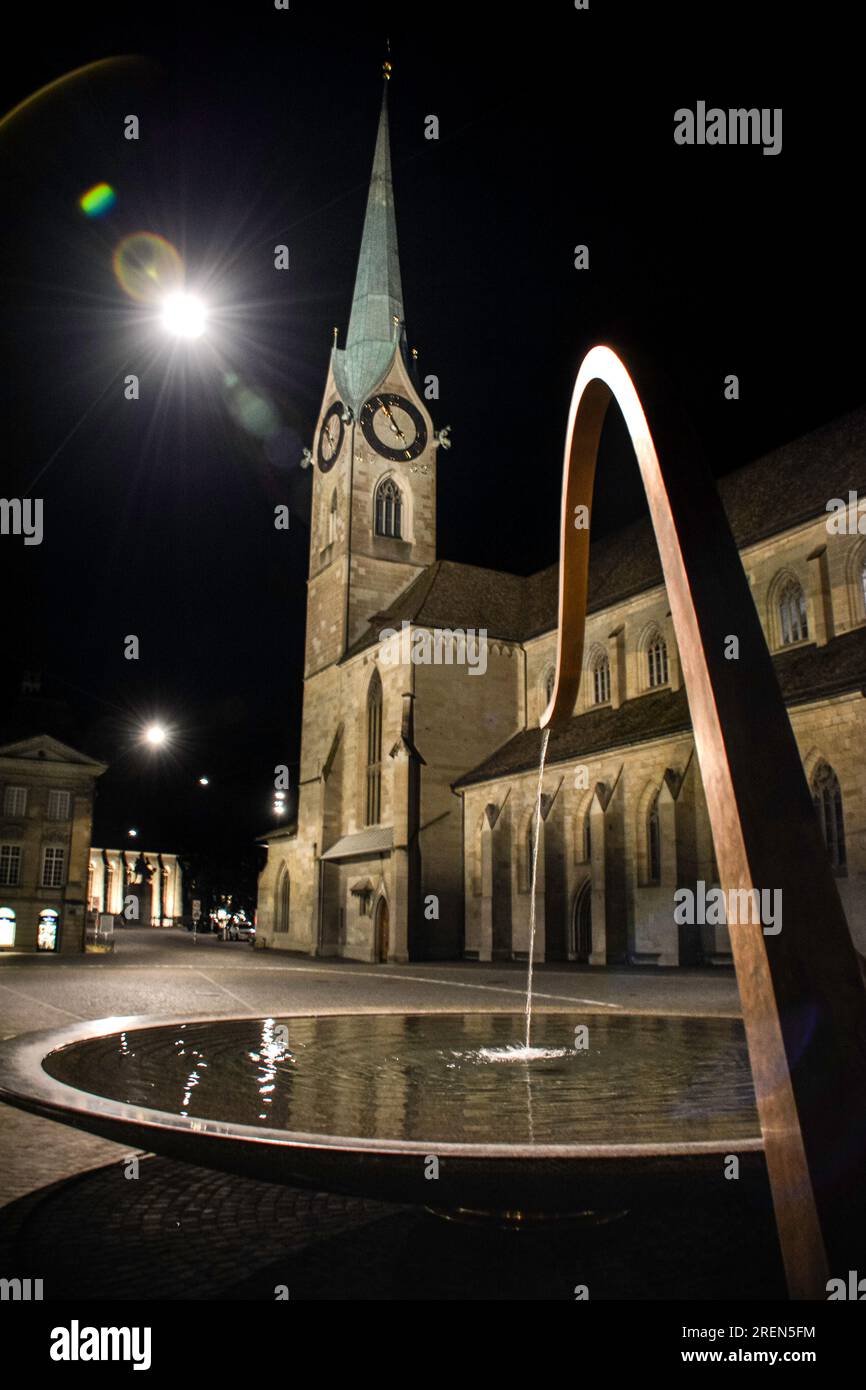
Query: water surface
point(425, 1078)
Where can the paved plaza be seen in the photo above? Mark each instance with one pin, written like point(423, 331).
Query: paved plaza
point(167, 973)
point(180, 1232)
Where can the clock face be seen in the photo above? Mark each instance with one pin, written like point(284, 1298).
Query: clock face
point(393, 426)
point(331, 436)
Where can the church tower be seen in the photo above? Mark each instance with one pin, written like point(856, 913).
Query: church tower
point(373, 519)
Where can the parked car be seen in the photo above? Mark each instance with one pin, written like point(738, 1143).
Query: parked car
point(240, 929)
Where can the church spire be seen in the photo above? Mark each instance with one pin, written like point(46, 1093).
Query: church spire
point(376, 321)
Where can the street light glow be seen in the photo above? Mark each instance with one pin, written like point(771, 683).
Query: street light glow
point(155, 735)
point(184, 315)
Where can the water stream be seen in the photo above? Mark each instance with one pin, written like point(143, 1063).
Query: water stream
point(536, 836)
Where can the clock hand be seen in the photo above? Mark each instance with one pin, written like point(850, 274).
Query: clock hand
point(394, 426)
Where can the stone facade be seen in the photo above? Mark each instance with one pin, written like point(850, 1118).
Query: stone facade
point(46, 816)
point(144, 887)
point(419, 777)
point(599, 871)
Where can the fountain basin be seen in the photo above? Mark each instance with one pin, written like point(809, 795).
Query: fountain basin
point(362, 1103)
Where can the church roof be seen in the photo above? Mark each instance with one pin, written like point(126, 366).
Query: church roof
point(780, 490)
point(377, 301)
point(805, 673)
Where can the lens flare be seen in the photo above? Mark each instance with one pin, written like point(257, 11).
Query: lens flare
point(251, 407)
point(147, 267)
point(97, 200)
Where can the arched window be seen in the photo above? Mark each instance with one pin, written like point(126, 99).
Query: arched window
point(374, 750)
point(653, 842)
point(389, 509)
point(793, 624)
point(281, 914)
point(657, 661)
point(332, 518)
point(601, 679)
point(827, 798)
point(7, 926)
point(46, 931)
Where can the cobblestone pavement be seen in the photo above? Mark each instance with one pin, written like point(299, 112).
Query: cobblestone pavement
point(71, 1217)
point(179, 1232)
point(166, 972)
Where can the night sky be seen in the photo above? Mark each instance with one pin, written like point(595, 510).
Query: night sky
point(257, 127)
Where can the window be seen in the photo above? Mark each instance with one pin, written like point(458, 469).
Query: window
point(389, 509)
point(549, 680)
point(53, 866)
point(374, 751)
point(653, 842)
point(58, 805)
point(827, 799)
point(281, 916)
point(657, 661)
point(601, 679)
point(7, 926)
point(15, 801)
point(46, 932)
point(10, 864)
point(587, 838)
point(332, 518)
point(792, 613)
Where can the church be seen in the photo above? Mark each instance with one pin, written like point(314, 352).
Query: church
point(419, 773)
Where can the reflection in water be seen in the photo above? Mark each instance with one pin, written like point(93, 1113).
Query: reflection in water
point(432, 1077)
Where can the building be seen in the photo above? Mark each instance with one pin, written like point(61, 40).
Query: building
point(142, 887)
point(46, 800)
point(420, 740)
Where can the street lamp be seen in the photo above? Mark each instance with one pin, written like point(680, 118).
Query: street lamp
point(184, 315)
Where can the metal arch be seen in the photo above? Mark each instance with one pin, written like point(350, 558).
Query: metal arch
point(803, 1000)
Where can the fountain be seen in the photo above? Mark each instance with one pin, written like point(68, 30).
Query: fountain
point(363, 1104)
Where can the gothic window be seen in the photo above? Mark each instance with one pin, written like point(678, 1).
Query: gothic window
point(657, 661)
point(653, 842)
point(332, 518)
point(792, 613)
point(827, 798)
point(389, 509)
point(281, 916)
point(374, 751)
point(601, 679)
